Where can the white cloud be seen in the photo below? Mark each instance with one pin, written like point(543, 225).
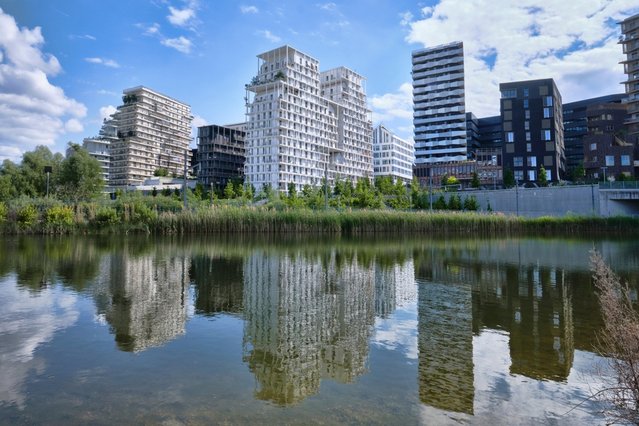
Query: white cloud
point(407, 17)
point(181, 44)
point(82, 37)
point(269, 36)
point(150, 30)
point(249, 9)
point(185, 17)
point(107, 92)
point(103, 61)
point(327, 6)
point(106, 112)
point(198, 121)
point(73, 125)
point(32, 110)
point(393, 105)
point(573, 42)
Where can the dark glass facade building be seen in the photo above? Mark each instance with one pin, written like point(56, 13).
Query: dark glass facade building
point(220, 155)
point(532, 130)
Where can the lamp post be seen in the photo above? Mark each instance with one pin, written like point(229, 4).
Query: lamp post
point(603, 169)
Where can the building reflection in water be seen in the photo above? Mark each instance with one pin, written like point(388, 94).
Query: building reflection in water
point(218, 284)
point(143, 297)
point(307, 318)
point(394, 287)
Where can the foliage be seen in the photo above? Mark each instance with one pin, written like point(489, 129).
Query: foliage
point(27, 216)
point(161, 172)
point(471, 204)
point(3, 212)
point(619, 343)
point(542, 179)
point(29, 177)
point(440, 203)
point(59, 219)
point(578, 173)
point(229, 191)
point(475, 183)
point(80, 176)
point(454, 202)
point(509, 178)
point(107, 216)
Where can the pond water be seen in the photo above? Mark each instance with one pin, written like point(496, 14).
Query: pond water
point(235, 330)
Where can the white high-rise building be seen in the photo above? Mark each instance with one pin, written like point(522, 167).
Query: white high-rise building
point(99, 146)
point(392, 156)
point(296, 134)
point(439, 114)
point(153, 132)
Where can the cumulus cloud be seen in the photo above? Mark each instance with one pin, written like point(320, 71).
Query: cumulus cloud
point(249, 9)
point(32, 110)
point(185, 17)
point(389, 106)
point(573, 42)
point(181, 44)
point(269, 36)
point(106, 112)
point(103, 61)
point(73, 125)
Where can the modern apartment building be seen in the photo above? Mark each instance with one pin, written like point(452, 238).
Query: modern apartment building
point(221, 155)
point(99, 147)
point(630, 42)
point(576, 127)
point(392, 156)
point(606, 152)
point(439, 114)
point(153, 132)
point(303, 125)
point(532, 125)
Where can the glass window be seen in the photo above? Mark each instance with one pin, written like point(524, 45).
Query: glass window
point(548, 175)
point(532, 175)
point(593, 146)
point(509, 93)
point(528, 147)
point(610, 160)
point(547, 101)
point(527, 114)
point(527, 125)
point(625, 160)
point(545, 135)
point(510, 137)
point(525, 103)
point(532, 161)
point(547, 112)
point(527, 136)
point(519, 175)
point(526, 92)
point(518, 161)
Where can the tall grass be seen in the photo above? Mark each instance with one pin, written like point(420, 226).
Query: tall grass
point(136, 216)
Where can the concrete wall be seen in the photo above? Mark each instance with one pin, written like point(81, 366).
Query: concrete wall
point(534, 202)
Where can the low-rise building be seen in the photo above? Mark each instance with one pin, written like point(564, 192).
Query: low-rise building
point(392, 156)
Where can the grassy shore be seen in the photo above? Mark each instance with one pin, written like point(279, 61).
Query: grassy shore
point(92, 218)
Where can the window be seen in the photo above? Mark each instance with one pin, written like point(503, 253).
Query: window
point(508, 93)
point(547, 112)
point(510, 137)
point(625, 160)
point(593, 146)
point(527, 114)
point(528, 147)
point(525, 103)
point(532, 161)
point(547, 101)
point(527, 125)
point(525, 92)
point(519, 175)
point(610, 160)
point(527, 136)
point(548, 175)
point(532, 175)
point(545, 135)
point(518, 161)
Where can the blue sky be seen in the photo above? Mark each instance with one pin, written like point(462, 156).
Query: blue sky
point(64, 63)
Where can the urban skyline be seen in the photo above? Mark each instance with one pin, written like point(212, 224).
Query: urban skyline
point(65, 69)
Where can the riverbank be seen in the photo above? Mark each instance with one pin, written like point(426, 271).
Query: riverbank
point(126, 218)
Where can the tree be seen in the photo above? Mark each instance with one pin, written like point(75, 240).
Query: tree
point(414, 193)
point(161, 172)
point(154, 192)
point(475, 183)
point(440, 203)
point(454, 202)
point(542, 179)
point(384, 184)
point(578, 173)
point(471, 204)
point(618, 343)
point(80, 176)
point(33, 179)
point(509, 178)
point(229, 191)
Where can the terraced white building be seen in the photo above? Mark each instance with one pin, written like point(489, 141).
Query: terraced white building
point(392, 155)
point(303, 125)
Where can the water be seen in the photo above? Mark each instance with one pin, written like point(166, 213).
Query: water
point(243, 331)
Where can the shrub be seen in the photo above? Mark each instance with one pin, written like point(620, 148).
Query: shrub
point(3, 212)
point(107, 216)
point(59, 218)
point(454, 202)
point(470, 203)
point(27, 216)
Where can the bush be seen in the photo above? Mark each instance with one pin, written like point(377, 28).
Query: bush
point(59, 218)
point(3, 212)
point(454, 202)
point(471, 204)
point(27, 216)
point(107, 216)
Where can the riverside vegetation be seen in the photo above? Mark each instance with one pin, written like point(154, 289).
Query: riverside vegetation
point(76, 205)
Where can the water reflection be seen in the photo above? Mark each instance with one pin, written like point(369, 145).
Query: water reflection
point(218, 284)
point(307, 318)
point(143, 296)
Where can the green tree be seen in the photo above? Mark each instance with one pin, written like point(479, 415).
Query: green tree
point(414, 193)
point(229, 191)
point(440, 203)
point(578, 173)
point(29, 177)
point(475, 183)
point(471, 204)
point(454, 202)
point(154, 192)
point(542, 178)
point(162, 172)
point(401, 199)
point(509, 178)
point(80, 176)
point(384, 185)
